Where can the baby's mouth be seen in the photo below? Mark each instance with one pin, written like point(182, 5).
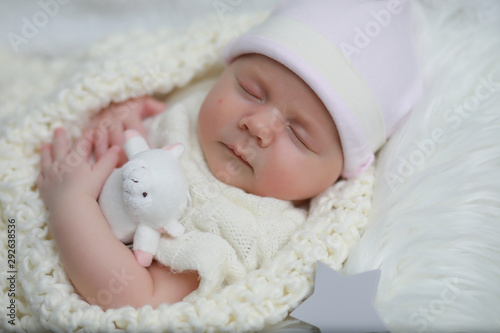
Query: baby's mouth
point(239, 155)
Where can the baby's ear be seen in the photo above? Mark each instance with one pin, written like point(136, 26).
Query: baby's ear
point(176, 148)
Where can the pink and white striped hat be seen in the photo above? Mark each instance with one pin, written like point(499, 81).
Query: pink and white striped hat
point(357, 55)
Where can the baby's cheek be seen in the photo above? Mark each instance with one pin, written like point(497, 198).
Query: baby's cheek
point(279, 181)
point(292, 175)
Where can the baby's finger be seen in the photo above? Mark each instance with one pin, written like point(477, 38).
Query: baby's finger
point(122, 158)
point(116, 134)
point(83, 145)
point(125, 109)
point(45, 158)
point(134, 122)
point(60, 146)
point(107, 163)
point(101, 142)
point(39, 179)
point(152, 107)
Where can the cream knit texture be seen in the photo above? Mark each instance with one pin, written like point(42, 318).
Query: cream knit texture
point(46, 94)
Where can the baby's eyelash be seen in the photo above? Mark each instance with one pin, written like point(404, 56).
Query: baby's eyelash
point(246, 90)
point(296, 136)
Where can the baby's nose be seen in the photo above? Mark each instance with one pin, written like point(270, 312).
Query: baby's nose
point(263, 125)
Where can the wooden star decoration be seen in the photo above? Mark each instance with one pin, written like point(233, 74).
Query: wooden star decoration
point(342, 303)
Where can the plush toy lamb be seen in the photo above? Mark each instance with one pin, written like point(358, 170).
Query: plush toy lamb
point(145, 197)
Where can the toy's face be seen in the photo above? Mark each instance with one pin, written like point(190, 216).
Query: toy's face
point(154, 187)
point(263, 129)
point(137, 180)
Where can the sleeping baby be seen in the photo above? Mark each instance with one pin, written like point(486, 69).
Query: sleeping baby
point(306, 97)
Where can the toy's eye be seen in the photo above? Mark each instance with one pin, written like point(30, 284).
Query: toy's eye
point(144, 194)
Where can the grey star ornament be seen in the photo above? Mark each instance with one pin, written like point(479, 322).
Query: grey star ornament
point(342, 303)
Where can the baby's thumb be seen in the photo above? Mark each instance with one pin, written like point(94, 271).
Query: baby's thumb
point(108, 162)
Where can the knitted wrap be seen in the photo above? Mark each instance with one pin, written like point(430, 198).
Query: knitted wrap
point(68, 92)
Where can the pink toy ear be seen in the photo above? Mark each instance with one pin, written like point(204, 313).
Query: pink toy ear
point(176, 148)
point(129, 134)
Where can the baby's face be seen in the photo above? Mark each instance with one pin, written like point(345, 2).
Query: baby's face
point(263, 129)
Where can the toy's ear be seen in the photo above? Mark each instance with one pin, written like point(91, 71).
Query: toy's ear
point(177, 149)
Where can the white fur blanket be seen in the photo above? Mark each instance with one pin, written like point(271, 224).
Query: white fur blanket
point(68, 92)
point(434, 226)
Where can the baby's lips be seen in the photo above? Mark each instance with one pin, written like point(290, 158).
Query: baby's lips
point(240, 153)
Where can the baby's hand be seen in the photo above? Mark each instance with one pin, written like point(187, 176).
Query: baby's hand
point(110, 123)
point(67, 173)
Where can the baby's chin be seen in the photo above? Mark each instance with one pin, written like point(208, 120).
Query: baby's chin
point(298, 202)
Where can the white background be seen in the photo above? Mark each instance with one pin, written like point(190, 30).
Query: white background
point(68, 26)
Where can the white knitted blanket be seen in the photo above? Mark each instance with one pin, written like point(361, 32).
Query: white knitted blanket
point(41, 96)
point(228, 232)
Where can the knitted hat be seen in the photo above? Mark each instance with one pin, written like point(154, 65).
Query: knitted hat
point(358, 57)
